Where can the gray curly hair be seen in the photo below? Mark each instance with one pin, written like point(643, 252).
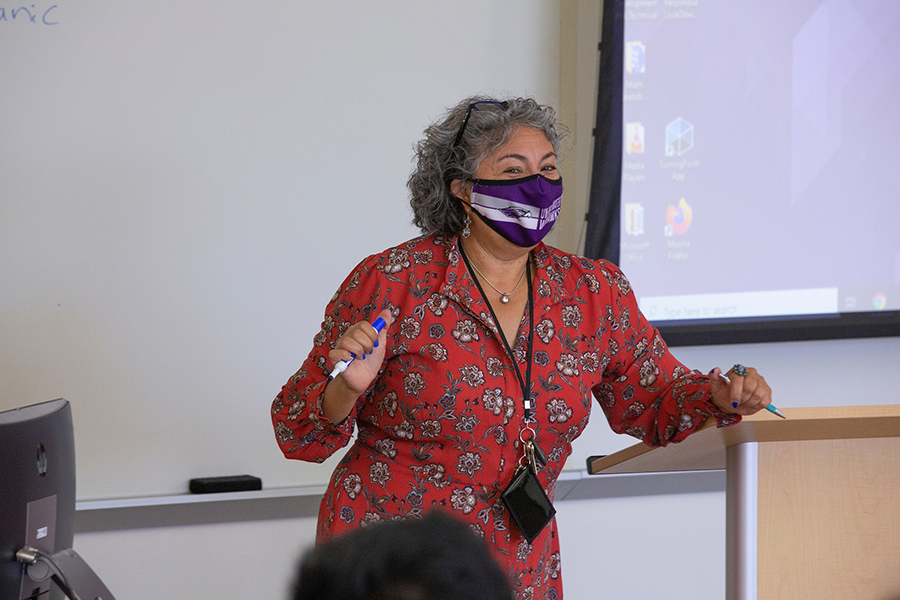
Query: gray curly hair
point(440, 160)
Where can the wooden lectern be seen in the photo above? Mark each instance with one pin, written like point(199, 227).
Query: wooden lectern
point(812, 502)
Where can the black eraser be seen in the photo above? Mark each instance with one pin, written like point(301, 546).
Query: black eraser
point(232, 483)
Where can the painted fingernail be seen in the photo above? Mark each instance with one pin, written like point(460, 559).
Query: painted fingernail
point(734, 405)
point(376, 343)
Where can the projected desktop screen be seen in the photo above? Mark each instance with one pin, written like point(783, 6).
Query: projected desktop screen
point(761, 158)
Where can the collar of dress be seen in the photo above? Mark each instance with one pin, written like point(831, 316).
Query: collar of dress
point(459, 287)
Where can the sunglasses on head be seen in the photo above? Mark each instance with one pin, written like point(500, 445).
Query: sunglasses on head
point(474, 106)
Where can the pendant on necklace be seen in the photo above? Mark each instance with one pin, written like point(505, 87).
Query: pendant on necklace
point(504, 299)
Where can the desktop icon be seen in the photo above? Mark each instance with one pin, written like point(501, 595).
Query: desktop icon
point(634, 138)
point(679, 137)
point(879, 301)
point(678, 218)
point(634, 57)
point(634, 218)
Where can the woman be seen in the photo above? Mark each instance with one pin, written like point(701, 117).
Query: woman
point(494, 345)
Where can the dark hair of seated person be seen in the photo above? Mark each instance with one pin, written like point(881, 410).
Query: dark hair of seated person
point(434, 558)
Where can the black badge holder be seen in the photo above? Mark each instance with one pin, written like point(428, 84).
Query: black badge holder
point(528, 504)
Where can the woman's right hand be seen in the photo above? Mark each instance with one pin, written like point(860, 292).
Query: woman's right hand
point(369, 348)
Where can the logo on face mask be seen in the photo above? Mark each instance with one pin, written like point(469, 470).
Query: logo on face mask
point(521, 210)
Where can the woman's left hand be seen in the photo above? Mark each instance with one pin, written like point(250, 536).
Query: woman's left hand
point(743, 395)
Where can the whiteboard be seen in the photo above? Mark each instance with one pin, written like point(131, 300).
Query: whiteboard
point(183, 186)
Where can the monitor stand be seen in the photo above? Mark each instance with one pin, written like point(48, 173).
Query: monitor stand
point(67, 570)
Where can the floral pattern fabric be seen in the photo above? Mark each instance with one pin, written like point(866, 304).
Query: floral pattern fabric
point(439, 427)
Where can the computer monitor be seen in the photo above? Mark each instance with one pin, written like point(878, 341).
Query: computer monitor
point(37, 492)
point(37, 507)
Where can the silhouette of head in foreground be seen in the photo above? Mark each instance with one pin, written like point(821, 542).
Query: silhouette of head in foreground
point(434, 558)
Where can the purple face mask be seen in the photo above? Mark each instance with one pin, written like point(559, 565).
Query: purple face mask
point(521, 210)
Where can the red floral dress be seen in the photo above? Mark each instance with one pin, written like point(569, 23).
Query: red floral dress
point(439, 427)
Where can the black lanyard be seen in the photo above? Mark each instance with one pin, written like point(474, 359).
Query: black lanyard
point(525, 382)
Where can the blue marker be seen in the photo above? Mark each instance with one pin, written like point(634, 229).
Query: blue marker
point(342, 365)
point(770, 407)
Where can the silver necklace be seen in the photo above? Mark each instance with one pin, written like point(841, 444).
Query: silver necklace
point(504, 297)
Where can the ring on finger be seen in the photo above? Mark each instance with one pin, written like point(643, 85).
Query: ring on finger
point(739, 369)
